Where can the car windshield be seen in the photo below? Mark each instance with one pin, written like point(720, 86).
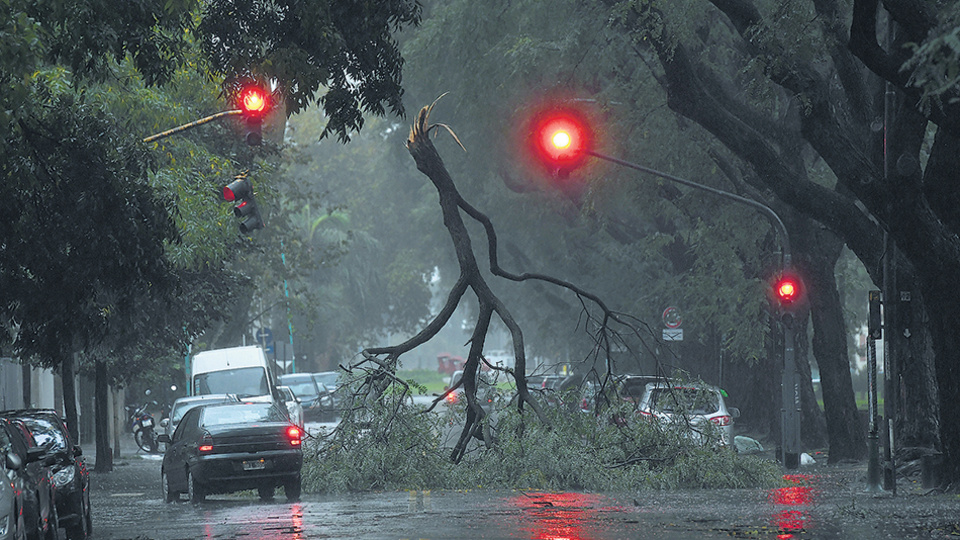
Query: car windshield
point(302, 388)
point(242, 413)
point(689, 400)
point(244, 382)
point(46, 432)
point(328, 379)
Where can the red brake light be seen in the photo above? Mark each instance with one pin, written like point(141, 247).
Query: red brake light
point(721, 420)
point(452, 397)
point(294, 434)
point(206, 444)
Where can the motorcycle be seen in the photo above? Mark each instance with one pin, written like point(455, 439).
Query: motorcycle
point(143, 430)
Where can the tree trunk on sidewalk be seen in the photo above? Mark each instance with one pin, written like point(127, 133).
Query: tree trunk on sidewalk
point(101, 412)
point(69, 383)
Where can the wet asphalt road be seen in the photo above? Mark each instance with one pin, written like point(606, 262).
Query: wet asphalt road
point(824, 502)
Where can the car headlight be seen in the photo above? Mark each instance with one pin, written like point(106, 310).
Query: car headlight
point(64, 476)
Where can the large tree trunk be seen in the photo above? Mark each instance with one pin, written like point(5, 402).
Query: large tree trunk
point(101, 391)
point(69, 382)
point(844, 429)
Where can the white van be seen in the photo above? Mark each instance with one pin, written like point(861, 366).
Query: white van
point(243, 371)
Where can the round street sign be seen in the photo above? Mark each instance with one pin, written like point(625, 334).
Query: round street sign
point(264, 336)
point(671, 317)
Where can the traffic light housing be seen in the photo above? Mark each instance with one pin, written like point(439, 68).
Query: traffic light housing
point(253, 101)
point(560, 139)
point(241, 192)
point(788, 293)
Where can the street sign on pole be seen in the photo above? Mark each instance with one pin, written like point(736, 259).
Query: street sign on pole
point(265, 339)
point(673, 334)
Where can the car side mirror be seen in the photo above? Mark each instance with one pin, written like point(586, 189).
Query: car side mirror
point(734, 412)
point(165, 422)
point(13, 462)
point(164, 438)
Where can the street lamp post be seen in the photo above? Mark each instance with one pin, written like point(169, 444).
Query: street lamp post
point(563, 140)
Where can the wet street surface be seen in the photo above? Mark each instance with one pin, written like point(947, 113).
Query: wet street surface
point(820, 502)
point(829, 503)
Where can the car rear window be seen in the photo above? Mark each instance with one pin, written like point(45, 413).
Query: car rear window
point(689, 400)
point(244, 413)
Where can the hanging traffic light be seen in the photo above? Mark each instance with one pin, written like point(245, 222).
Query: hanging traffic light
point(788, 290)
point(253, 102)
point(561, 139)
point(241, 191)
point(788, 293)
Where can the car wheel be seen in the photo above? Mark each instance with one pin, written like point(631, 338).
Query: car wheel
point(168, 494)
point(292, 489)
point(194, 489)
point(266, 492)
point(78, 531)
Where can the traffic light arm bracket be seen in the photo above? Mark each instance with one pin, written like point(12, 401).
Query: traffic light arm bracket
point(766, 210)
point(194, 124)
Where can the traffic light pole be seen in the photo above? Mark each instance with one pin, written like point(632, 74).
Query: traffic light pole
point(790, 411)
point(194, 124)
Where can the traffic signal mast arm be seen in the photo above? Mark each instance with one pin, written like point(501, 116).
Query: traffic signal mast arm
point(766, 210)
point(193, 124)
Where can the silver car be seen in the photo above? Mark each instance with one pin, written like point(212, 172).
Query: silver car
point(698, 404)
point(184, 404)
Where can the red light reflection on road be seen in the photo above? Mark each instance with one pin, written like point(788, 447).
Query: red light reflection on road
point(792, 521)
point(557, 516)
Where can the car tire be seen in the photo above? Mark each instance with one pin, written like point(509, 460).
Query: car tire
point(266, 492)
point(78, 531)
point(292, 489)
point(168, 494)
point(194, 489)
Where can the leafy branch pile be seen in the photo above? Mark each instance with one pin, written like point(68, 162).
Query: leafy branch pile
point(397, 445)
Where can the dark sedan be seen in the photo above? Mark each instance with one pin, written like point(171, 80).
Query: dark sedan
point(315, 398)
point(70, 476)
point(39, 508)
point(232, 447)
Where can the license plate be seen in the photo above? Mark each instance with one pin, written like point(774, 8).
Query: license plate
point(254, 465)
point(147, 422)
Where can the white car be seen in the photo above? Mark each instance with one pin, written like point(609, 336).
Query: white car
point(293, 405)
point(184, 404)
point(701, 405)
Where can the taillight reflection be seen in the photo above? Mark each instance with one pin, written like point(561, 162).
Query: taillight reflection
point(792, 521)
point(452, 397)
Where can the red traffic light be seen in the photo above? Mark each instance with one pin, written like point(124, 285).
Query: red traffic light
point(787, 289)
point(561, 138)
point(253, 101)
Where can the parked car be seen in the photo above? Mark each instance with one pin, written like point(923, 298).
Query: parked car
point(315, 398)
point(693, 405)
point(39, 502)
point(292, 402)
point(70, 476)
point(184, 404)
point(12, 524)
point(232, 447)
